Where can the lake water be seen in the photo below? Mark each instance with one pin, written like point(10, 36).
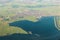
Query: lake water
point(43, 29)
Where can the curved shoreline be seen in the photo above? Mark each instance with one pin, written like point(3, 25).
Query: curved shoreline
point(55, 22)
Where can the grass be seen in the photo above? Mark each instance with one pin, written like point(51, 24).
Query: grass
point(5, 29)
point(30, 18)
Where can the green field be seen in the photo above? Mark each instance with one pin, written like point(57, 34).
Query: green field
point(5, 29)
